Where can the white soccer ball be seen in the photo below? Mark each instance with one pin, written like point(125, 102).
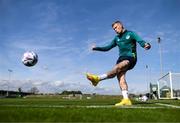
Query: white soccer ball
point(29, 58)
point(144, 98)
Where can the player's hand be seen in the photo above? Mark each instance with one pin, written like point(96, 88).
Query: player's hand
point(93, 46)
point(147, 46)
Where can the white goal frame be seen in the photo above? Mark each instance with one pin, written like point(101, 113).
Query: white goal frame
point(168, 88)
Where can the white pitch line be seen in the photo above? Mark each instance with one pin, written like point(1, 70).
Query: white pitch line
point(80, 106)
point(112, 106)
point(168, 105)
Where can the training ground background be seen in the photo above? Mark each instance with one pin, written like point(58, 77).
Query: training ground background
point(98, 108)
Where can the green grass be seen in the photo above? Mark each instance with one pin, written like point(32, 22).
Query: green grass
point(35, 109)
point(87, 115)
point(171, 102)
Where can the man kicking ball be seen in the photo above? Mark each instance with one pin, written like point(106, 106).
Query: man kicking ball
point(126, 42)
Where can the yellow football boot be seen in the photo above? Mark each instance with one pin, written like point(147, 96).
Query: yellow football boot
point(93, 78)
point(124, 102)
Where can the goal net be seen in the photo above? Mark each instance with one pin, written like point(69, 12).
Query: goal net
point(169, 86)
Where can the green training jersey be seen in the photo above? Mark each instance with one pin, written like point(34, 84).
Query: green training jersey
point(126, 43)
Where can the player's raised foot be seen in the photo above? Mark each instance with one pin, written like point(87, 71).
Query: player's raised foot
point(124, 102)
point(93, 78)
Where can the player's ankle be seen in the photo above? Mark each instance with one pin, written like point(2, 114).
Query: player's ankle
point(102, 77)
point(125, 94)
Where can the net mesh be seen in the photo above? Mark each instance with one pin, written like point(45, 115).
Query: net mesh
point(169, 86)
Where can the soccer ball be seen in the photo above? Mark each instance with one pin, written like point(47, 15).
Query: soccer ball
point(29, 58)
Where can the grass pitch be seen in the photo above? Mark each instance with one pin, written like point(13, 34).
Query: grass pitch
point(96, 109)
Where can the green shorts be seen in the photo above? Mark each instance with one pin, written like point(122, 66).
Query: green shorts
point(132, 61)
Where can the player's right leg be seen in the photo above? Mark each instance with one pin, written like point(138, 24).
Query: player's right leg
point(119, 68)
point(95, 79)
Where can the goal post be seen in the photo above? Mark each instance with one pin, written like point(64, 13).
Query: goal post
point(169, 86)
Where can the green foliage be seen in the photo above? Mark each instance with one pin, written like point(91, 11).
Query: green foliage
point(71, 92)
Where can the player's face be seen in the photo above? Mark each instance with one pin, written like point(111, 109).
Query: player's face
point(118, 28)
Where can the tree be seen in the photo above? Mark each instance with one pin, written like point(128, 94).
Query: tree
point(34, 90)
point(71, 92)
point(20, 91)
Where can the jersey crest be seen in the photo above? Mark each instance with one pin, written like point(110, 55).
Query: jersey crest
point(128, 36)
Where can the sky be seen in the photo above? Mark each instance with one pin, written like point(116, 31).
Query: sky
point(61, 32)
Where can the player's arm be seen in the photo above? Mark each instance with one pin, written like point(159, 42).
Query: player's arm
point(138, 39)
point(105, 48)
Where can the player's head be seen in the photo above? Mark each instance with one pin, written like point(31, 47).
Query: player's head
point(118, 27)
